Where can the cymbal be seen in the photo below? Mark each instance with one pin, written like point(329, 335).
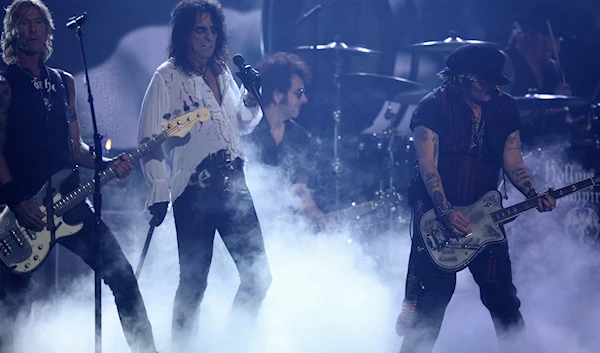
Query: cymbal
point(386, 88)
point(340, 47)
point(548, 101)
point(449, 44)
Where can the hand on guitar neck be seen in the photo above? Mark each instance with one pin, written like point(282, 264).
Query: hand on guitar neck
point(29, 214)
point(122, 165)
point(546, 202)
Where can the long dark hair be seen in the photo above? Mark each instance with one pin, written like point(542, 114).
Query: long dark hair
point(183, 21)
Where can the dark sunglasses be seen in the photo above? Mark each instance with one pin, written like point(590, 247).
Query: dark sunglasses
point(299, 93)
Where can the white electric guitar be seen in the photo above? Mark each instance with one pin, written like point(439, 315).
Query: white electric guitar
point(24, 250)
point(453, 253)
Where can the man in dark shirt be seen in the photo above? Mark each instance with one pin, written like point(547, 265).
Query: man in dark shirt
point(530, 52)
point(533, 67)
point(465, 132)
point(280, 141)
point(39, 136)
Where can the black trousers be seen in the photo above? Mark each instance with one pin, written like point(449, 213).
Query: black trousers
point(432, 288)
point(116, 273)
point(198, 213)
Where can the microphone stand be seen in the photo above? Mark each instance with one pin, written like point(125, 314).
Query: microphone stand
point(310, 13)
point(97, 149)
point(336, 166)
point(247, 82)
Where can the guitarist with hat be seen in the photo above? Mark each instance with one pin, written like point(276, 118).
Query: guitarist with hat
point(465, 132)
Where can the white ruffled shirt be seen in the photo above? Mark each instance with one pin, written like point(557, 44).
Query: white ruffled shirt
point(169, 92)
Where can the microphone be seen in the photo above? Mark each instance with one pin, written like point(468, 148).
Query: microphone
point(77, 21)
point(247, 72)
point(239, 61)
point(249, 76)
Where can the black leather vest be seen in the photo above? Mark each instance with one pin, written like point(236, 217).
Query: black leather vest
point(38, 142)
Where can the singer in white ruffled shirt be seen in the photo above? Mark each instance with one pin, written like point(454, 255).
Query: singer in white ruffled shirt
point(202, 174)
point(169, 93)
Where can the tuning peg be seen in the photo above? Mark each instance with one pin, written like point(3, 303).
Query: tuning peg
point(167, 116)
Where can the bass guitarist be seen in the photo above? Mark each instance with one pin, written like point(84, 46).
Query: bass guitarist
point(39, 136)
point(464, 132)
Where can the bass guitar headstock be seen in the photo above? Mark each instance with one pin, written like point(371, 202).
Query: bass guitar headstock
point(180, 125)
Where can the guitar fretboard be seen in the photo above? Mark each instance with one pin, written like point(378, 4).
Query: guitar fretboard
point(353, 211)
point(505, 214)
point(78, 195)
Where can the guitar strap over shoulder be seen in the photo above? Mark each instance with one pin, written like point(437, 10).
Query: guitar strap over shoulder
point(61, 78)
point(416, 187)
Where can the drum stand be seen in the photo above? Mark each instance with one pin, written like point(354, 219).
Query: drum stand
point(390, 135)
point(337, 118)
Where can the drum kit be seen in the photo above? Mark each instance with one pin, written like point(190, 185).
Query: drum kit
point(390, 147)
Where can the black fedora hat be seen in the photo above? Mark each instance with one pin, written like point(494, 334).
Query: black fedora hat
point(480, 61)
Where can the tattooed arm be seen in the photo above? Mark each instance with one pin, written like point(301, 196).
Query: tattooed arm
point(426, 143)
point(519, 174)
point(515, 167)
point(81, 151)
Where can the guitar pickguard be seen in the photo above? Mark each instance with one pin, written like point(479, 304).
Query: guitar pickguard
point(453, 254)
point(24, 250)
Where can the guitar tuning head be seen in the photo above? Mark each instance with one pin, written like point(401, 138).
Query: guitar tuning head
point(167, 116)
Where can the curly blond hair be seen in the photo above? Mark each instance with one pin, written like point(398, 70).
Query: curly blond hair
point(10, 34)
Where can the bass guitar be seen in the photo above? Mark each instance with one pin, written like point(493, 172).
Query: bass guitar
point(24, 250)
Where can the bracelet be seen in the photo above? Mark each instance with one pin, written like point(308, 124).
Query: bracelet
point(444, 208)
point(246, 99)
point(531, 194)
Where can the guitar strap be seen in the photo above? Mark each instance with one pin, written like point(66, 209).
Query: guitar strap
point(61, 78)
point(48, 200)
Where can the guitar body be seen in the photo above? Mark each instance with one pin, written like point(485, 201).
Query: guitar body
point(453, 254)
point(24, 250)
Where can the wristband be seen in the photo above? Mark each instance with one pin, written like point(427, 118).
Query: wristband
point(531, 194)
point(444, 208)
